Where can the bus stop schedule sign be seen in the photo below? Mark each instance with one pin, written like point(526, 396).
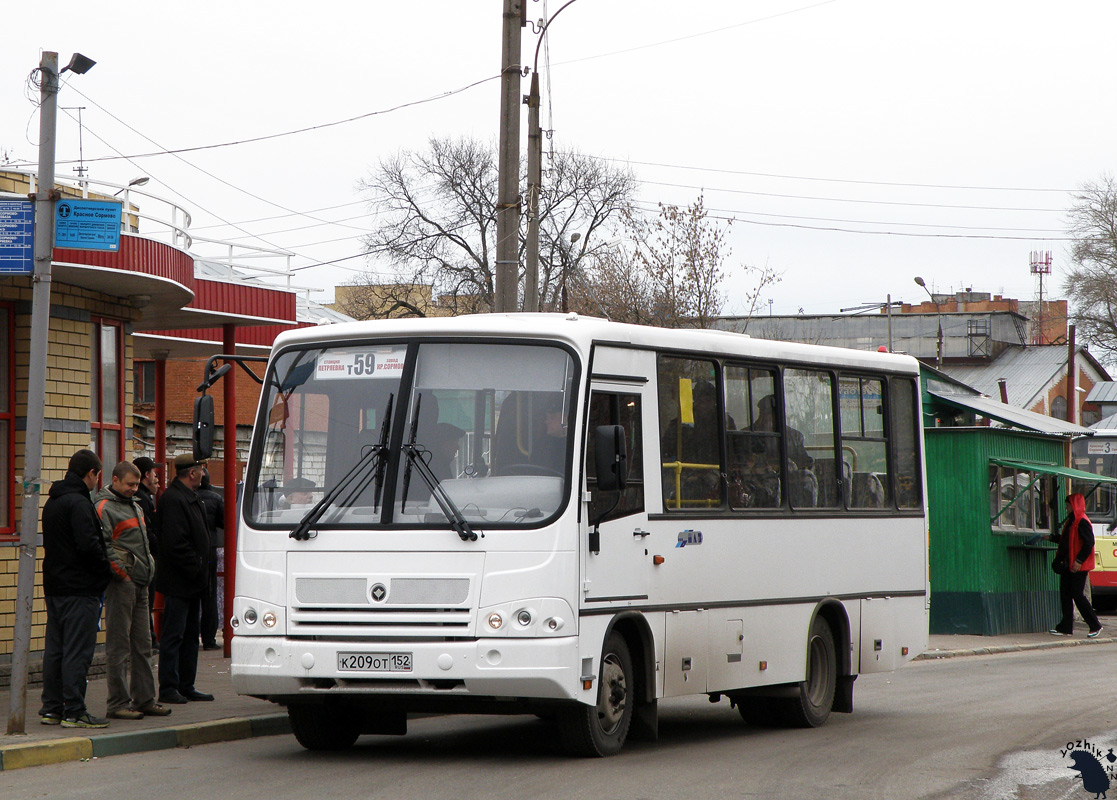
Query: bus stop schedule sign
point(87, 224)
point(17, 237)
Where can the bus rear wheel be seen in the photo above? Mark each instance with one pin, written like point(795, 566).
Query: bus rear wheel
point(601, 730)
point(811, 707)
point(324, 726)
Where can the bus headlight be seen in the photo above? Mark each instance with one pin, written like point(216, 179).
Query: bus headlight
point(250, 616)
point(495, 621)
point(269, 619)
point(523, 617)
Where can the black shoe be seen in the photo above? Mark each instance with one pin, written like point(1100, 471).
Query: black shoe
point(194, 694)
point(211, 646)
point(172, 697)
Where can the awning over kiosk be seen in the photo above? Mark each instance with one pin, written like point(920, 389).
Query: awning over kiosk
point(1051, 469)
point(1039, 470)
point(1010, 415)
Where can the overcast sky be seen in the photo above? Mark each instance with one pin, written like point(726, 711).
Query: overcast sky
point(857, 143)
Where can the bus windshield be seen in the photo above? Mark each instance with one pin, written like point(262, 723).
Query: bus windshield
point(465, 435)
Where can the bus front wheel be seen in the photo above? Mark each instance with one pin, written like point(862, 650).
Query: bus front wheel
point(601, 730)
point(324, 726)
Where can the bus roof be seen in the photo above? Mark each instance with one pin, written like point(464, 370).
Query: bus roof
point(582, 332)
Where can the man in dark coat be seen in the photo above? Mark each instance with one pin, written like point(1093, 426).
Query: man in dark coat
point(181, 577)
point(214, 505)
point(75, 573)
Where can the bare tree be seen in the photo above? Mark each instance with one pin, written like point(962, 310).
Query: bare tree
point(669, 270)
point(1091, 283)
point(436, 224)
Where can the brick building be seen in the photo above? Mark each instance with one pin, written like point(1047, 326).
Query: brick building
point(141, 319)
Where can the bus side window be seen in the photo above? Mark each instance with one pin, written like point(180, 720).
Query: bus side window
point(864, 443)
point(809, 411)
point(624, 410)
point(753, 442)
point(905, 442)
point(690, 434)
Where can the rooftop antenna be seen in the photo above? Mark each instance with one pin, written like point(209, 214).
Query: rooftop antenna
point(1040, 266)
point(80, 169)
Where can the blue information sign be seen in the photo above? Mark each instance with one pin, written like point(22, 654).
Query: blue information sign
point(87, 224)
point(17, 237)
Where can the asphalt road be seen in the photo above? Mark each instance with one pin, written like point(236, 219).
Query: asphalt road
point(980, 727)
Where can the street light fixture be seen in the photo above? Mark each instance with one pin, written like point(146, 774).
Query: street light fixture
point(938, 313)
point(79, 64)
point(141, 181)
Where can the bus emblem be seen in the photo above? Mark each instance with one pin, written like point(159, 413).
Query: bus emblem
point(689, 537)
point(378, 592)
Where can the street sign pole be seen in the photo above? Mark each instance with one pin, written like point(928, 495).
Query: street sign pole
point(36, 392)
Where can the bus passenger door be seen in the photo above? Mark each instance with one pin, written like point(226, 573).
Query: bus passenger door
point(616, 561)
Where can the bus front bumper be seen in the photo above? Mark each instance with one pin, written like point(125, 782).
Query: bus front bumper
point(275, 667)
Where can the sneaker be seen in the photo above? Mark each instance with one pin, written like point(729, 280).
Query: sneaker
point(1057, 632)
point(125, 713)
point(1093, 634)
point(50, 718)
point(155, 710)
point(85, 720)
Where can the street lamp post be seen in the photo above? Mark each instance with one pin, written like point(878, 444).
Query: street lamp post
point(45, 195)
point(938, 314)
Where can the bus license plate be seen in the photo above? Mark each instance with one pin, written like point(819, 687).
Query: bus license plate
point(374, 662)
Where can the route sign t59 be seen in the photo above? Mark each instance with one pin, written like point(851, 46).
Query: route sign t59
point(87, 224)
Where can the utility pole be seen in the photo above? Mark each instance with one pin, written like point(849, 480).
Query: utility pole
point(506, 288)
point(36, 391)
point(534, 186)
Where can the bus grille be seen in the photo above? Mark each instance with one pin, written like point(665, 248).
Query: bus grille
point(412, 607)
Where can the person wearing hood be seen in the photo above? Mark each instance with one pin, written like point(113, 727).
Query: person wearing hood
point(128, 631)
point(1074, 558)
point(75, 573)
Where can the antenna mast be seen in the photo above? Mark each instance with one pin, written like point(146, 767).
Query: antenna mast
point(1041, 265)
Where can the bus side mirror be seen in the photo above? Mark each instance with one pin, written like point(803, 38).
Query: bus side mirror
point(203, 427)
point(610, 458)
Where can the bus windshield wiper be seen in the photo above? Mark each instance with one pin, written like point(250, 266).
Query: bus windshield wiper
point(369, 465)
point(452, 513)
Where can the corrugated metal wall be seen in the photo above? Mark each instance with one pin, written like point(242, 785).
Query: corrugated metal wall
point(981, 581)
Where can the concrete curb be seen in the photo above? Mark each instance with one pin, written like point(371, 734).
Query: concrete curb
point(57, 751)
point(1055, 642)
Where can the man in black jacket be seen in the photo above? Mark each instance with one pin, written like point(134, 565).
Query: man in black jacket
point(75, 573)
point(180, 576)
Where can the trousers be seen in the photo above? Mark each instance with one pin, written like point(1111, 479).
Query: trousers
point(128, 642)
point(178, 644)
point(1072, 592)
point(71, 636)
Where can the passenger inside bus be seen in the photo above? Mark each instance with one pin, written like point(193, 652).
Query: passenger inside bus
point(802, 484)
point(531, 435)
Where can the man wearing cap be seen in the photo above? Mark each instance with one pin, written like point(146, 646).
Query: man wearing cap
point(181, 577)
point(297, 492)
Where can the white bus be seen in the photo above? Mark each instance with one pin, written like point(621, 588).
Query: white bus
point(574, 518)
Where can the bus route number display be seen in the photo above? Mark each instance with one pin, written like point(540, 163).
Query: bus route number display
point(359, 364)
